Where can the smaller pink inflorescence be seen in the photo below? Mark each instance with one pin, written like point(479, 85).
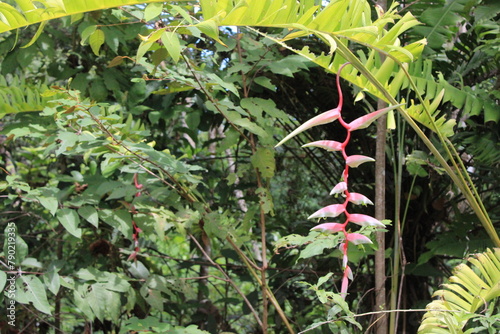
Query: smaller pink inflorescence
point(342, 188)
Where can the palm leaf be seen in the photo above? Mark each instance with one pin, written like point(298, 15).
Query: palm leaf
point(28, 12)
point(439, 22)
point(470, 288)
point(17, 96)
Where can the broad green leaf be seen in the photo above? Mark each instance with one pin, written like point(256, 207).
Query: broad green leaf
point(152, 10)
point(53, 281)
point(31, 262)
point(98, 298)
point(31, 289)
point(263, 159)
point(323, 279)
point(89, 213)
point(211, 29)
point(119, 219)
point(224, 84)
point(251, 126)
point(266, 200)
point(316, 247)
point(158, 56)
point(96, 40)
point(49, 200)
point(182, 12)
point(216, 225)
point(70, 220)
point(87, 32)
point(265, 82)
point(171, 42)
point(79, 293)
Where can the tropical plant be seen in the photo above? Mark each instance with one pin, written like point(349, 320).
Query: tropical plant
point(471, 296)
point(342, 188)
point(184, 153)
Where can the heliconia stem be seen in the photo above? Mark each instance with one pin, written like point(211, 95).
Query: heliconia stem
point(353, 161)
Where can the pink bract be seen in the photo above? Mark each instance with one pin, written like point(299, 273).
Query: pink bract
point(329, 145)
point(358, 239)
point(364, 220)
point(358, 199)
point(339, 188)
point(324, 118)
point(329, 227)
point(328, 211)
point(356, 160)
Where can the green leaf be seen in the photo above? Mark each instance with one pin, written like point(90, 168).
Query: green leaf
point(119, 219)
point(48, 199)
point(152, 10)
point(265, 200)
point(96, 40)
point(37, 34)
point(265, 82)
point(171, 42)
point(317, 247)
point(31, 289)
point(89, 213)
point(87, 32)
point(116, 61)
point(263, 159)
point(67, 140)
point(251, 126)
point(98, 298)
point(224, 84)
point(216, 225)
point(70, 220)
point(53, 281)
point(323, 279)
point(79, 293)
point(211, 29)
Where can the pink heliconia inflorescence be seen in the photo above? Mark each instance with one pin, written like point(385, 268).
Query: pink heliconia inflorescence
point(342, 188)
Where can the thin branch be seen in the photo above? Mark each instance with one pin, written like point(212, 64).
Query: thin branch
point(228, 279)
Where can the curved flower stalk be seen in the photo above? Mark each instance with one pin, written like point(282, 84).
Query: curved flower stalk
point(342, 188)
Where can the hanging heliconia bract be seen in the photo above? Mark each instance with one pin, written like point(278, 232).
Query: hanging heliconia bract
point(353, 161)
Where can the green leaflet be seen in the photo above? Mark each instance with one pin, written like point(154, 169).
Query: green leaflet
point(172, 44)
point(468, 291)
point(30, 14)
point(89, 213)
point(70, 220)
point(96, 40)
point(152, 11)
point(263, 159)
point(31, 290)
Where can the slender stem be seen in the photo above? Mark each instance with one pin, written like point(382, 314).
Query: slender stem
point(226, 276)
point(380, 204)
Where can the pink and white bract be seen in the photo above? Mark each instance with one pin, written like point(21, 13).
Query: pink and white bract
point(352, 161)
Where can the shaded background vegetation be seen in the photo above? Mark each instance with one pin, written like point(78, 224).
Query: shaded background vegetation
point(49, 165)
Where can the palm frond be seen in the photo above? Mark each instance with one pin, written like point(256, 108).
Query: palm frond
point(17, 96)
point(28, 12)
point(470, 288)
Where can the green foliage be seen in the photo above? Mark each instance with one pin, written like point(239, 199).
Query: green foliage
point(138, 160)
point(469, 289)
